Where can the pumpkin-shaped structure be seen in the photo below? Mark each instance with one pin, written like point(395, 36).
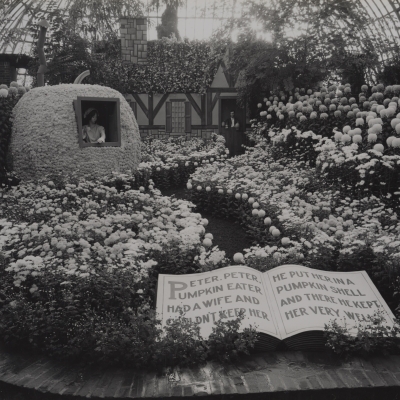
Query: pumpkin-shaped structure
point(45, 137)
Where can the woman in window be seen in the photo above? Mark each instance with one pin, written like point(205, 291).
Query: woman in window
point(91, 132)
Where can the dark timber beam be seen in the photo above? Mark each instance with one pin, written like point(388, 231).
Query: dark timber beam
point(141, 104)
point(160, 104)
point(194, 104)
point(150, 110)
point(222, 90)
point(209, 108)
point(203, 109)
point(214, 102)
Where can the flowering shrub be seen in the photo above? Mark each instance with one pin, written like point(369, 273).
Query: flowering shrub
point(79, 264)
point(226, 344)
point(169, 163)
point(372, 338)
point(184, 345)
point(361, 173)
point(322, 111)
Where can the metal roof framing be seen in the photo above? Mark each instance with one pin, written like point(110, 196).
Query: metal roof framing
point(383, 25)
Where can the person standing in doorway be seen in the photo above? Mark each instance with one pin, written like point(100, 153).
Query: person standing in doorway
point(232, 135)
point(232, 122)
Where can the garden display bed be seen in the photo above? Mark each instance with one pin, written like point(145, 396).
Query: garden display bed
point(80, 258)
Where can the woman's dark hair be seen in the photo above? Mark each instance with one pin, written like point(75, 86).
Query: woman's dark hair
point(90, 116)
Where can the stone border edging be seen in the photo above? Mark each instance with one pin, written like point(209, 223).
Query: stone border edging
point(297, 375)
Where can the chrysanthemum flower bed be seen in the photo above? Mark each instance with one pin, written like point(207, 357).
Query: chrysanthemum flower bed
point(170, 162)
point(322, 111)
point(79, 260)
point(355, 142)
point(79, 264)
point(298, 213)
point(295, 215)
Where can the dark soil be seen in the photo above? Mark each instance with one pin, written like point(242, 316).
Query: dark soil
point(228, 235)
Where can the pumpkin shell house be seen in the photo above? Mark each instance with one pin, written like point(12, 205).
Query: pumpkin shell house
point(45, 137)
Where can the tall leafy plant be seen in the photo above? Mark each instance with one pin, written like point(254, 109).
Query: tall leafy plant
point(70, 51)
point(169, 19)
point(390, 74)
point(289, 43)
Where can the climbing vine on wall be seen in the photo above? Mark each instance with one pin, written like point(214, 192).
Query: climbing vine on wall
point(172, 66)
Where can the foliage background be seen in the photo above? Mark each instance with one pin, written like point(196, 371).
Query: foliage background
point(302, 43)
point(172, 65)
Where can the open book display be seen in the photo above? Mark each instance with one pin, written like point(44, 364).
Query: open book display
point(288, 305)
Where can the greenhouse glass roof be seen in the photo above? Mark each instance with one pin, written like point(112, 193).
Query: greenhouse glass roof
point(197, 19)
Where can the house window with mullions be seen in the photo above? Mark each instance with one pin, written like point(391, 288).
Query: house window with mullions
point(178, 117)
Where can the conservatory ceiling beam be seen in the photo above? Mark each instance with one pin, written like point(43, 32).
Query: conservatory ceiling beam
point(363, 33)
point(213, 14)
point(193, 17)
point(382, 28)
point(14, 25)
point(16, 8)
point(388, 14)
point(383, 15)
point(20, 10)
point(30, 21)
point(396, 10)
point(25, 40)
point(195, 12)
point(377, 19)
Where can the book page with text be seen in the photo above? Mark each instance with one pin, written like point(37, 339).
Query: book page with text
point(221, 293)
point(305, 299)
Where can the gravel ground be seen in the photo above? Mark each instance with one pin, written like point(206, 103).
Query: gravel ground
point(228, 235)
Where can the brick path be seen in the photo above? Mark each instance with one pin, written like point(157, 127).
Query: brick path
point(288, 375)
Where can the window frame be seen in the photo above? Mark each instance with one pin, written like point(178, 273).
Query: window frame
point(187, 116)
point(78, 106)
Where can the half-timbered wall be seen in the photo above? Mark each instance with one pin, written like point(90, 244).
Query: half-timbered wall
point(175, 114)
point(199, 113)
point(171, 114)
